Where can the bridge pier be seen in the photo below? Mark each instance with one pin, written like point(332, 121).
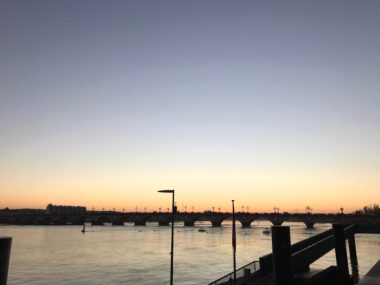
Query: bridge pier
point(189, 223)
point(309, 225)
point(277, 222)
point(140, 223)
point(118, 223)
point(163, 223)
point(216, 224)
point(216, 219)
point(246, 220)
point(245, 224)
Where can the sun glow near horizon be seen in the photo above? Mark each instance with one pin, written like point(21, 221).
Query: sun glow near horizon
point(202, 190)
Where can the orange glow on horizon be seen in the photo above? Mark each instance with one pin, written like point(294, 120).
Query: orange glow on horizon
point(260, 190)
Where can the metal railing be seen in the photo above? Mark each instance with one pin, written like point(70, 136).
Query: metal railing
point(304, 253)
point(241, 274)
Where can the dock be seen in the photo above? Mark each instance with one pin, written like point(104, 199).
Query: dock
point(373, 276)
point(289, 264)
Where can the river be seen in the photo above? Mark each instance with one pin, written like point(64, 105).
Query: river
point(140, 255)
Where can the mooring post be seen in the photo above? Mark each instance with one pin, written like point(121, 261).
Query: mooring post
point(282, 269)
point(353, 258)
point(341, 254)
point(5, 253)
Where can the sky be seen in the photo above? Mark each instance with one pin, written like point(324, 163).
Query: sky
point(270, 103)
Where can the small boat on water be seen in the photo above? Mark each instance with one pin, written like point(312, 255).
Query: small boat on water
point(266, 231)
point(201, 230)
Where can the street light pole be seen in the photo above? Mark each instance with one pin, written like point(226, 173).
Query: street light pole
point(172, 238)
point(234, 239)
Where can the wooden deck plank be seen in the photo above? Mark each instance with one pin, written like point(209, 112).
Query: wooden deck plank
point(373, 276)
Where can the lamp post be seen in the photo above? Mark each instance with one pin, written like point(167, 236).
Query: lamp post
point(172, 239)
point(234, 239)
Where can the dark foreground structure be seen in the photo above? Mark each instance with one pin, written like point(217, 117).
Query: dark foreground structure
point(290, 264)
point(287, 264)
point(5, 252)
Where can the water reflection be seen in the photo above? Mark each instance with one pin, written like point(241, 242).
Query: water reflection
point(140, 254)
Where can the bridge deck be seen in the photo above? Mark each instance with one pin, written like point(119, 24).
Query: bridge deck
point(373, 276)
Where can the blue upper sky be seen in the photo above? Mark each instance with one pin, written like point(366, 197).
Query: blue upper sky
point(169, 91)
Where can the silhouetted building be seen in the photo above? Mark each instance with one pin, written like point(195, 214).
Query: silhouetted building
point(65, 210)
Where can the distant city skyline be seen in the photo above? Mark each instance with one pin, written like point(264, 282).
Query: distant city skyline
point(270, 103)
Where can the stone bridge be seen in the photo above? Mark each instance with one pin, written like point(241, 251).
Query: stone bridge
point(187, 218)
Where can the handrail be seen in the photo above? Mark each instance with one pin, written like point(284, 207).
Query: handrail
point(239, 273)
point(303, 253)
point(313, 252)
point(308, 255)
point(266, 261)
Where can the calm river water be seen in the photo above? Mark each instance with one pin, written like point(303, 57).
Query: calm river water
point(140, 255)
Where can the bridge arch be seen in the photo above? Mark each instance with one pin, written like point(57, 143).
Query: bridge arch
point(162, 220)
point(216, 220)
point(118, 221)
point(142, 220)
point(100, 221)
point(189, 219)
point(228, 223)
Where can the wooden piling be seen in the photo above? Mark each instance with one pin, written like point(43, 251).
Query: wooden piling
point(5, 252)
point(282, 269)
point(341, 254)
point(353, 258)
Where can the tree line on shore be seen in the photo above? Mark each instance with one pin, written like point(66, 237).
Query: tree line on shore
point(369, 210)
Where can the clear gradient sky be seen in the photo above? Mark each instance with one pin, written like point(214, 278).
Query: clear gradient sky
point(270, 103)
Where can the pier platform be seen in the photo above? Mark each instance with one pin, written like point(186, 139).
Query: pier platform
point(373, 276)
